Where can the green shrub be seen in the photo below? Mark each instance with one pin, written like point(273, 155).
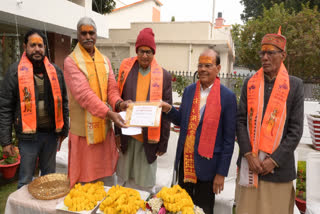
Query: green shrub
point(179, 83)
point(301, 180)
point(316, 92)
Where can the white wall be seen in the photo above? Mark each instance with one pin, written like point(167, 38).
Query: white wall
point(115, 54)
point(222, 33)
point(141, 12)
point(171, 56)
point(169, 31)
point(175, 31)
point(119, 3)
point(224, 62)
point(179, 44)
point(60, 16)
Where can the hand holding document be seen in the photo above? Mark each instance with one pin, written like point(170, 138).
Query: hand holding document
point(143, 114)
point(129, 130)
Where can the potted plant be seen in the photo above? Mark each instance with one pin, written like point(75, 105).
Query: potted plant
point(179, 83)
point(314, 122)
point(9, 164)
point(237, 85)
point(301, 187)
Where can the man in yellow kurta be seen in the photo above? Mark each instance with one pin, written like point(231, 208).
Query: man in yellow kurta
point(91, 84)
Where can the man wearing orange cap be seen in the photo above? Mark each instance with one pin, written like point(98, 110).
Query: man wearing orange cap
point(141, 78)
point(269, 128)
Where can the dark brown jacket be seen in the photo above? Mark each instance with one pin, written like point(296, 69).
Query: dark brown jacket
point(10, 111)
point(292, 132)
point(129, 93)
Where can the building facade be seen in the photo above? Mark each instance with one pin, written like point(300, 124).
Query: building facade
point(57, 18)
point(179, 44)
point(140, 11)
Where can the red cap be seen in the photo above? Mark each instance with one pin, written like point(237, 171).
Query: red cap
point(146, 38)
point(274, 39)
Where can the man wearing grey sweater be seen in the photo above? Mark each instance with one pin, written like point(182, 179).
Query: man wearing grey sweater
point(269, 128)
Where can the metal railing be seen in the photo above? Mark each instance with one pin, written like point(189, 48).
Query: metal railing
point(234, 82)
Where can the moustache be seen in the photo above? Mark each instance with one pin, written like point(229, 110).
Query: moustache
point(37, 53)
point(88, 40)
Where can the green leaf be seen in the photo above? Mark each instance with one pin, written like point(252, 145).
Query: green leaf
point(301, 27)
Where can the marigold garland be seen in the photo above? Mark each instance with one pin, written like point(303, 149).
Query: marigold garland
point(176, 199)
point(122, 200)
point(85, 197)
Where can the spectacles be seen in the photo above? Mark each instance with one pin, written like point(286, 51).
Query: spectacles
point(269, 53)
point(207, 66)
point(142, 52)
point(84, 33)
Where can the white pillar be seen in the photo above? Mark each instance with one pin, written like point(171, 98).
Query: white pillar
point(213, 9)
point(212, 24)
point(189, 60)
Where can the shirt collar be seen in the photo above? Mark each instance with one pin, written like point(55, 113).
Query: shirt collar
point(269, 79)
point(207, 89)
point(144, 71)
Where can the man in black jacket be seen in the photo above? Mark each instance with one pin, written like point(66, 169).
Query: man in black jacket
point(33, 97)
point(269, 128)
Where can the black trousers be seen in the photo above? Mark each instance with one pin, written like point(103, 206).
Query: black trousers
point(200, 192)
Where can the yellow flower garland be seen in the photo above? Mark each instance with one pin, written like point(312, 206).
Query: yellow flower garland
point(176, 199)
point(122, 200)
point(85, 197)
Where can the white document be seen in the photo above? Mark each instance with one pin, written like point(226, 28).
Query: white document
point(143, 115)
point(245, 173)
point(129, 130)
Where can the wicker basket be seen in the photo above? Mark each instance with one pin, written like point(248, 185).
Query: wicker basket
point(49, 186)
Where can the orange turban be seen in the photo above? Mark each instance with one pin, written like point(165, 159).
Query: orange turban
point(274, 39)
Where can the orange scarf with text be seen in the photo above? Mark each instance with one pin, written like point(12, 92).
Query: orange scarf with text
point(266, 133)
point(97, 73)
point(27, 95)
point(208, 132)
point(156, 84)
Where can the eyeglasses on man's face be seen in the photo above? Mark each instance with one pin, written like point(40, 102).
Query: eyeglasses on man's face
point(147, 52)
point(84, 33)
point(269, 53)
